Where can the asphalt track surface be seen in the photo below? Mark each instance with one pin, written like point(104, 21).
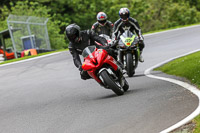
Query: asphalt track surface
point(46, 95)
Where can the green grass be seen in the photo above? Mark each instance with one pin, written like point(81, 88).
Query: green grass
point(28, 57)
point(189, 68)
point(197, 121)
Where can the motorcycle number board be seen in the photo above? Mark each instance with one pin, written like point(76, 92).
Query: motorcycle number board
point(128, 41)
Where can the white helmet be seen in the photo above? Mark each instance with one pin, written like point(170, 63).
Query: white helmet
point(102, 18)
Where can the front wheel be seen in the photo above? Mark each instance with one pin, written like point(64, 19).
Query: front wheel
point(111, 83)
point(126, 85)
point(129, 65)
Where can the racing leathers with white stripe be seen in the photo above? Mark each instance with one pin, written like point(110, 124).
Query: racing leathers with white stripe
point(131, 24)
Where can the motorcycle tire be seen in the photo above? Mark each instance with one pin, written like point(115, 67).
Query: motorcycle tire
point(109, 81)
point(136, 59)
point(126, 86)
point(129, 65)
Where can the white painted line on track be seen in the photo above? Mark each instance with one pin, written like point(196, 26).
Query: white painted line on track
point(34, 58)
point(189, 87)
point(172, 30)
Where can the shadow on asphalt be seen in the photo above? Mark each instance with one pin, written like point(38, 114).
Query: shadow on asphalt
point(142, 75)
point(129, 92)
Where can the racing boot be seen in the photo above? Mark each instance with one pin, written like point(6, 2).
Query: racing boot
point(85, 75)
point(141, 46)
point(141, 59)
point(123, 82)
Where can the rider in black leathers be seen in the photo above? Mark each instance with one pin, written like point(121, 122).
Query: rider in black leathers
point(80, 40)
point(127, 22)
point(102, 26)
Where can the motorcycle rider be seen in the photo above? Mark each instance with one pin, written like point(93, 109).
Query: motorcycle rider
point(80, 40)
point(127, 22)
point(102, 26)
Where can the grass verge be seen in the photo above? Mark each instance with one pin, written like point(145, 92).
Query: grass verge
point(189, 68)
point(27, 57)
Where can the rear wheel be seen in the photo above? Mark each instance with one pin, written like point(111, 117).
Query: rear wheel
point(129, 65)
point(111, 83)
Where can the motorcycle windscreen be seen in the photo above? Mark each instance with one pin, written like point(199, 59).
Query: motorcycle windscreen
point(88, 51)
point(127, 33)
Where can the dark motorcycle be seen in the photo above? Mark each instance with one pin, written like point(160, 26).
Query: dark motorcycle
point(129, 51)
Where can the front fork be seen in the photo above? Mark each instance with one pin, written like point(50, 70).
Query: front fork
point(117, 76)
point(123, 53)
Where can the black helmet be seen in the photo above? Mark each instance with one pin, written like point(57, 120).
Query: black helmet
point(73, 32)
point(102, 18)
point(124, 14)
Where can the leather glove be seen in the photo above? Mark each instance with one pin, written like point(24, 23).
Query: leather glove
point(141, 38)
point(84, 75)
point(115, 42)
point(107, 47)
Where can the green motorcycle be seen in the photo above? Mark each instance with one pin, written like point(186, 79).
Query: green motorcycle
point(129, 51)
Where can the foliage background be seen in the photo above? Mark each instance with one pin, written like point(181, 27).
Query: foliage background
point(151, 14)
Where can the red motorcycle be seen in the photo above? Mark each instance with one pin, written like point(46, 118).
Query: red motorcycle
point(104, 69)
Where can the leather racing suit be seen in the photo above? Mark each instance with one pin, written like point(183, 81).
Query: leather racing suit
point(106, 29)
point(87, 38)
point(131, 24)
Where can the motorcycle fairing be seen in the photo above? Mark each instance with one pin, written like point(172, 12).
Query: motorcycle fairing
point(95, 60)
point(127, 40)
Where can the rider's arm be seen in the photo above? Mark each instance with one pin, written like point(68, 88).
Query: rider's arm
point(76, 57)
point(117, 25)
point(94, 28)
point(115, 31)
point(110, 28)
point(138, 31)
point(95, 37)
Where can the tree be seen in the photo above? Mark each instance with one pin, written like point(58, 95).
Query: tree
point(151, 14)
